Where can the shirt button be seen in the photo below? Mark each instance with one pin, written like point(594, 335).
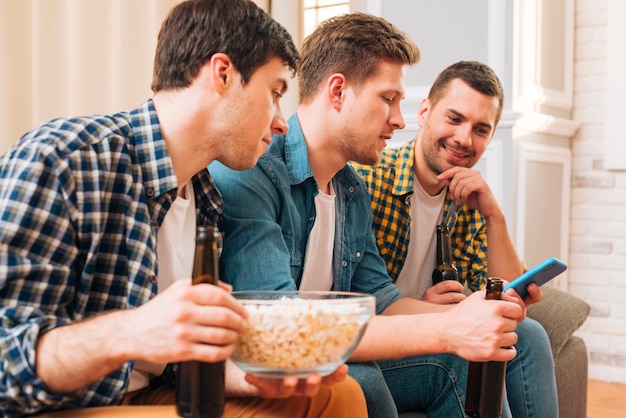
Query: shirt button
point(351, 189)
point(344, 263)
point(152, 278)
point(312, 218)
point(150, 192)
point(358, 254)
point(155, 224)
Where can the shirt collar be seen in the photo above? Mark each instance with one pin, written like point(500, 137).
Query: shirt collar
point(403, 180)
point(296, 154)
point(297, 158)
point(150, 151)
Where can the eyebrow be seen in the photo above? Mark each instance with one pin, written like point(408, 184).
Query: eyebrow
point(397, 92)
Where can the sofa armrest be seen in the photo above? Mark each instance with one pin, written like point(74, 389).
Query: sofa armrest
point(561, 314)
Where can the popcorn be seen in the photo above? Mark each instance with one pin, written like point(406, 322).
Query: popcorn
point(299, 333)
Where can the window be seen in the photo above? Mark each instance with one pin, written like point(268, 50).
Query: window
point(315, 11)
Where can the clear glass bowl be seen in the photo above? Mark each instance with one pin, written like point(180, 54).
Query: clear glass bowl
point(297, 333)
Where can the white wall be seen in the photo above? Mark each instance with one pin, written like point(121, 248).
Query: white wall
point(74, 57)
point(598, 212)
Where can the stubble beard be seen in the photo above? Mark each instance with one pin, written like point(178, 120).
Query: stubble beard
point(351, 149)
point(431, 156)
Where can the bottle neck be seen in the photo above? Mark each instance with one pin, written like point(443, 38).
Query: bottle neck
point(444, 250)
point(494, 288)
point(206, 257)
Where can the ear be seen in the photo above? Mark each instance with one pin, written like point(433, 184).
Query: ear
point(422, 111)
point(221, 72)
point(336, 90)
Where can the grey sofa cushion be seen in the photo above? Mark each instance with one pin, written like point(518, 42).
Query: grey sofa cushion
point(570, 310)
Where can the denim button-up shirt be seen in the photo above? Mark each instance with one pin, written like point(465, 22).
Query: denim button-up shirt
point(269, 212)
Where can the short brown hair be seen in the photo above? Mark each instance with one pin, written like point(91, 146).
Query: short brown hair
point(475, 74)
point(195, 30)
point(352, 44)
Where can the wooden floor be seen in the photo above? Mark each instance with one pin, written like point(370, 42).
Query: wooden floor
point(606, 400)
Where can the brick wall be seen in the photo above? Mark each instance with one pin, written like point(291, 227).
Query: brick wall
point(597, 270)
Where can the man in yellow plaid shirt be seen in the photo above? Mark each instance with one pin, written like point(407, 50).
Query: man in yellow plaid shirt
point(414, 188)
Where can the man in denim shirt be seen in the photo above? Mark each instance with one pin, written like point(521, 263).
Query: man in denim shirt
point(301, 219)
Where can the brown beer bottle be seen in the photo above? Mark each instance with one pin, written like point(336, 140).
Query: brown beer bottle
point(445, 269)
point(485, 380)
point(199, 385)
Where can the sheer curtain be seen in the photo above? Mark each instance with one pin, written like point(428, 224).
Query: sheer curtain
point(73, 57)
point(81, 57)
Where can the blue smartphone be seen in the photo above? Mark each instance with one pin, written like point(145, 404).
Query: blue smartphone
point(540, 274)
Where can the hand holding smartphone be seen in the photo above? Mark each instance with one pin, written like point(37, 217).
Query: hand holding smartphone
point(540, 274)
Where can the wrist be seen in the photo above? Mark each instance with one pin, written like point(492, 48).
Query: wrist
point(497, 218)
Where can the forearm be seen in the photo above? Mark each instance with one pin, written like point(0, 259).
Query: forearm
point(400, 318)
point(475, 329)
point(73, 356)
point(502, 258)
point(391, 337)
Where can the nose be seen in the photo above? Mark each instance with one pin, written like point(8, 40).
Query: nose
point(464, 136)
point(395, 118)
point(279, 124)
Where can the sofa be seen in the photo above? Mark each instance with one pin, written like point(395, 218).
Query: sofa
point(561, 314)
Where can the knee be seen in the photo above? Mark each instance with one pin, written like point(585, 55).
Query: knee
point(531, 330)
point(533, 338)
point(346, 399)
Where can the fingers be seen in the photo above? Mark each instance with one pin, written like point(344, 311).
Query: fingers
point(227, 287)
point(189, 322)
point(512, 308)
point(534, 294)
point(292, 386)
point(447, 298)
point(495, 327)
point(448, 286)
point(211, 295)
point(337, 376)
point(445, 292)
point(469, 186)
point(505, 354)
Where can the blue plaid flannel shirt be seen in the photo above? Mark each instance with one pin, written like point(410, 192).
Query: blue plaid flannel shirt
point(81, 201)
point(390, 185)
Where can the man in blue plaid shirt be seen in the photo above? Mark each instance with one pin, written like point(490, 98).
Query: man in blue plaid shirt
point(417, 184)
point(97, 230)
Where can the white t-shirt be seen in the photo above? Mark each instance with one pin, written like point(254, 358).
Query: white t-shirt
point(426, 211)
point(175, 252)
point(318, 261)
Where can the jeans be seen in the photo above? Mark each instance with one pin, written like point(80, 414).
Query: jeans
point(436, 383)
point(432, 383)
point(530, 379)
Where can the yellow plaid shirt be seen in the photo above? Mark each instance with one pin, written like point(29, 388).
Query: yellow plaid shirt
point(390, 185)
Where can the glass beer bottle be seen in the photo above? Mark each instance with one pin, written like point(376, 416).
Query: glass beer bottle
point(445, 269)
point(485, 380)
point(200, 385)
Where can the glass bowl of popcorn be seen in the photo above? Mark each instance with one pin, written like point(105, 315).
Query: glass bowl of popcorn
point(297, 333)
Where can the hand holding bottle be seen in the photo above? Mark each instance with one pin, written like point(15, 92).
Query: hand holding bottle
point(478, 329)
point(485, 381)
point(446, 292)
